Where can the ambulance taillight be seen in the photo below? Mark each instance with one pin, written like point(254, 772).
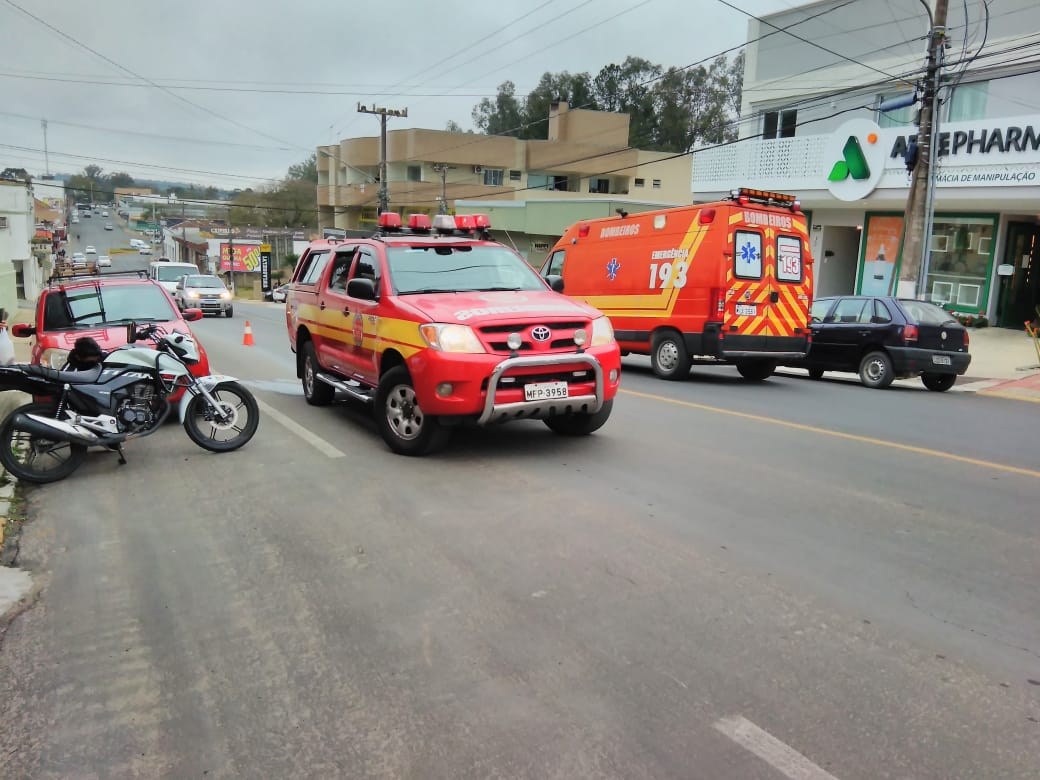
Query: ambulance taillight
point(583, 231)
point(717, 303)
point(706, 216)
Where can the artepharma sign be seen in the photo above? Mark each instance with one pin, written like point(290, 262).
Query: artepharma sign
point(860, 156)
point(855, 159)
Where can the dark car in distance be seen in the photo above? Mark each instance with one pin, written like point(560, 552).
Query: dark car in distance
point(883, 339)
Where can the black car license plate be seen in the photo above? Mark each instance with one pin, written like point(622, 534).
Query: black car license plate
point(941, 360)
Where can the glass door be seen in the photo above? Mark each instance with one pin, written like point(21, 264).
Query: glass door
point(1020, 292)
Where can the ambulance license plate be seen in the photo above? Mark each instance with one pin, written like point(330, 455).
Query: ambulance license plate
point(746, 309)
point(941, 360)
point(545, 391)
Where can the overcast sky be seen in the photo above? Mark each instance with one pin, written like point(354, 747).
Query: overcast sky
point(436, 59)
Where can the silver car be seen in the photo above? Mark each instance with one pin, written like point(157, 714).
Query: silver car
point(202, 291)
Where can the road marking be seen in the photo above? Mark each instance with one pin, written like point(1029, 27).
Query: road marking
point(315, 441)
point(777, 754)
point(839, 434)
point(1011, 394)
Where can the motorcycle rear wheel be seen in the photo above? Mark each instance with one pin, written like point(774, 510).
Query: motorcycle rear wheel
point(33, 458)
point(204, 429)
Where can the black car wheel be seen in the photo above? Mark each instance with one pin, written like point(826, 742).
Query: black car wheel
point(875, 370)
point(668, 356)
point(756, 370)
point(940, 383)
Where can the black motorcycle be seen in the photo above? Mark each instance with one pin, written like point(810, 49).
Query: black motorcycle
point(125, 396)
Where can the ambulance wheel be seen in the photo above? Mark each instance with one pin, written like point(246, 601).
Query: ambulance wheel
point(405, 427)
point(579, 424)
point(875, 370)
point(668, 356)
point(756, 370)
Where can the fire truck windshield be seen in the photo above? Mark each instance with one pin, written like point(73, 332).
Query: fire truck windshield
point(463, 268)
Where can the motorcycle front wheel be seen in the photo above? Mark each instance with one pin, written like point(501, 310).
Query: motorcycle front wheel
point(235, 424)
point(34, 458)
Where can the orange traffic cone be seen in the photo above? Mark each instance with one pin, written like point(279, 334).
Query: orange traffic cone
point(247, 337)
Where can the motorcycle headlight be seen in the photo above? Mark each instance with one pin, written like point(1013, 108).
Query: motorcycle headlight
point(602, 332)
point(54, 358)
point(451, 338)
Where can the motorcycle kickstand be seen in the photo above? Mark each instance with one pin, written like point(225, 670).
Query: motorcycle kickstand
point(118, 449)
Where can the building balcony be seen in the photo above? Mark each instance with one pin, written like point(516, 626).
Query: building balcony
point(769, 164)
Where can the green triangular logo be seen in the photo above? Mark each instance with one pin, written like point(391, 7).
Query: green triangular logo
point(854, 163)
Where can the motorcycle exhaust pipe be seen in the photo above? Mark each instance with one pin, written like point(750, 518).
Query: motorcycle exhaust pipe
point(56, 430)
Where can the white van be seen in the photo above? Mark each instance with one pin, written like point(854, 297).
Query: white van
point(167, 273)
point(136, 243)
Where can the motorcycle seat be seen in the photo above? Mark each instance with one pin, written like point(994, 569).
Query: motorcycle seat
point(87, 377)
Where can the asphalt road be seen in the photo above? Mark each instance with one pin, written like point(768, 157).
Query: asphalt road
point(92, 233)
point(793, 579)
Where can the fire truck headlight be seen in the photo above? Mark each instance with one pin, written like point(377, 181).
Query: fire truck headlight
point(448, 337)
point(602, 332)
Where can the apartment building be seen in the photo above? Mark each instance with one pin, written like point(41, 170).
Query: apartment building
point(813, 101)
point(20, 273)
point(586, 156)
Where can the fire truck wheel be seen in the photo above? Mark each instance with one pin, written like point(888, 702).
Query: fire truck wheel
point(668, 356)
point(316, 392)
point(579, 424)
point(756, 370)
point(405, 428)
point(875, 370)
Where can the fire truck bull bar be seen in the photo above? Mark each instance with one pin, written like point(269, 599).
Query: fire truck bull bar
point(534, 409)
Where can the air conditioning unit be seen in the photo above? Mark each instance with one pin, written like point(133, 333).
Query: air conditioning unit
point(478, 169)
point(3, 223)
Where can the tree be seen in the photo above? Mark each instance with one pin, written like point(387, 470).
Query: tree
point(120, 180)
point(304, 171)
point(627, 88)
point(455, 127)
point(501, 117)
point(92, 172)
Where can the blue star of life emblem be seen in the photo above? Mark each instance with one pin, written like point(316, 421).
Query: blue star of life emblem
point(612, 268)
point(748, 252)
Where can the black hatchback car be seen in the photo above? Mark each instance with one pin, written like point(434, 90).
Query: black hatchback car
point(883, 339)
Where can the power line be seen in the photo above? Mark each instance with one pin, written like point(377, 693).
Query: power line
point(805, 40)
point(158, 86)
point(201, 88)
point(160, 136)
point(427, 70)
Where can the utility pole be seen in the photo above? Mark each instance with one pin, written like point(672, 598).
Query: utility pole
point(384, 196)
point(442, 169)
point(231, 254)
point(914, 255)
point(46, 154)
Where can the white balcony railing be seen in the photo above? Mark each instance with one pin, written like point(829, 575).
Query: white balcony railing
point(766, 164)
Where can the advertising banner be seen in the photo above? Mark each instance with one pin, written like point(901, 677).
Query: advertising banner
point(265, 267)
point(879, 258)
point(247, 257)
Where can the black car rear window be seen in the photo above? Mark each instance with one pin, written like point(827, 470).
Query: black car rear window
point(925, 313)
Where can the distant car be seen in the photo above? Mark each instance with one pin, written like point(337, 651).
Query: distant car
point(144, 250)
point(883, 339)
point(108, 226)
point(91, 249)
point(79, 260)
point(278, 293)
point(202, 291)
point(104, 213)
point(156, 240)
point(104, 261)
point(103, 306)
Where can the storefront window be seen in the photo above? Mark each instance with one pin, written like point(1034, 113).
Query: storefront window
point(968, 102)
point(960, 258)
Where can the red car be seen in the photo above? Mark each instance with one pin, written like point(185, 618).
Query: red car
point(101, 307)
